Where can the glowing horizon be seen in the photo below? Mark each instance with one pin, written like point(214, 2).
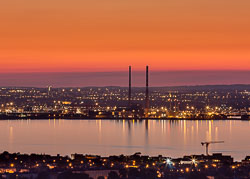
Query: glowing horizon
point(110, 35)
point(101, 79)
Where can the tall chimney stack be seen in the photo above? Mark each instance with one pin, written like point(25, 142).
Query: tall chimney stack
point(129, 89)
point(147, 95)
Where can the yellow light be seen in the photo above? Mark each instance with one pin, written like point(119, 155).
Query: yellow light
point(11, 171)
point(70, 164)
point(12, 165)
point(50, 167)
point(233, 167)
point(206, 166)
point(66, 102)
point(81, 162)
point(159, 174)
point(187, 169)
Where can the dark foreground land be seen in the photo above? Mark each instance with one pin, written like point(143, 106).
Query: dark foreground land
point(34, 166)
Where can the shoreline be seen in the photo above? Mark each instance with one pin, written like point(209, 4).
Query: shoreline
point(139, 154)
point(127, 119)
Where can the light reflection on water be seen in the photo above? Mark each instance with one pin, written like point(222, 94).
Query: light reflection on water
point(114, 137)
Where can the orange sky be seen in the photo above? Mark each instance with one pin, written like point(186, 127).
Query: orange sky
point(109, 35)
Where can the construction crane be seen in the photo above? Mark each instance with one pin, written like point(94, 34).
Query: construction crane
point(208, 143)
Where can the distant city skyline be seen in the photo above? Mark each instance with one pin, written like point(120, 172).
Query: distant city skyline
point(156, 78)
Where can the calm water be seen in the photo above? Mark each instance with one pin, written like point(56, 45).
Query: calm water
point(110, 137)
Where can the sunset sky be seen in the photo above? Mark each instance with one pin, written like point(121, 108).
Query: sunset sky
point(109, 35)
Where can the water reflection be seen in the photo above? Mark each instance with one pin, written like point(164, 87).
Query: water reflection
point(108, 137)
point(11, 136)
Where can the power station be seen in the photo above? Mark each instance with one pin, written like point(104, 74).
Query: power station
point(146, 109)
point(129, 89)
point(147, 95)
